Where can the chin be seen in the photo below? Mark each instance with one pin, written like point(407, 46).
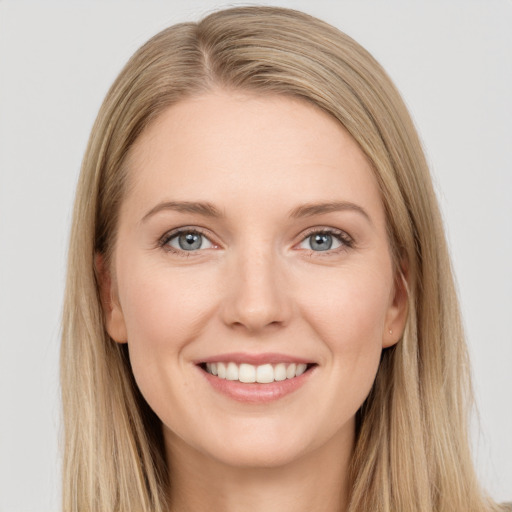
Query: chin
point(242, 444)
point(260, 455)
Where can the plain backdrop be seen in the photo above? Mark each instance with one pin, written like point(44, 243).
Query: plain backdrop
point(452, 61)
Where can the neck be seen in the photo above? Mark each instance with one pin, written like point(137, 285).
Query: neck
point(316, 481)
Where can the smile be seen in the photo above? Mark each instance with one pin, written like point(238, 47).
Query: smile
point(256, 378)
point(249, 373)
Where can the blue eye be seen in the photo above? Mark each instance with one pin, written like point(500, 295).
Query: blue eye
point(319, 241)
point(188, 241)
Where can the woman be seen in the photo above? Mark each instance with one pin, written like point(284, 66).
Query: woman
point(260, 311)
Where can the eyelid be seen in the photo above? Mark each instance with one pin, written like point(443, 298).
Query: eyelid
point(163, 241)
point(346, 240)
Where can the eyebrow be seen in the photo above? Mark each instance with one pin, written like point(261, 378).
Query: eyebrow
point(308, 210)
point(209, 210)
point(204, 209)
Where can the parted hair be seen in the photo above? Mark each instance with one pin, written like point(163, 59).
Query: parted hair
point(412, 451)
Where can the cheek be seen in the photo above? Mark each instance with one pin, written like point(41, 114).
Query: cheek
point(164, 311)
point(165, 308)
point(349, 313)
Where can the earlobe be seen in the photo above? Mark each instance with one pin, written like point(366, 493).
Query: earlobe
point(397, 312)
point(114, 318)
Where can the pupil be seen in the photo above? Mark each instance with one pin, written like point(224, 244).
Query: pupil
point(190, 241)
point(321, 242)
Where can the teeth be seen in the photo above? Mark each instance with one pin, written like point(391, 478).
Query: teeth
point(247, 373)
point(290, 371)
point(280, 372)
point(232, 371)
point(263, 374)
point(301, 368)
point(221, 370)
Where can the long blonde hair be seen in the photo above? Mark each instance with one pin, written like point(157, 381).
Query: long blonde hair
point(412, 451)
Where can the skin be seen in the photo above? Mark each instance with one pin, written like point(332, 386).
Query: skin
point(256, 286)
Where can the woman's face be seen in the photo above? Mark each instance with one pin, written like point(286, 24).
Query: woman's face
point(252, 244)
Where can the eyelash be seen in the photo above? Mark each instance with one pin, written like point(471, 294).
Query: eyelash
point(346, 240)
point(165, 239)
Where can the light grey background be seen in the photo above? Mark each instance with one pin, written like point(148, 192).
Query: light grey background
point(452, 60)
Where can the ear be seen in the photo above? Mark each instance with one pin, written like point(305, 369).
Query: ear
point(397, 312)
point(114, 318)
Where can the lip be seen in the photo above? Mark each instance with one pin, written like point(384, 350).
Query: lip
point(254, 392)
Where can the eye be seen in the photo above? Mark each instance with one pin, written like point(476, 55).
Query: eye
point(189, 240)
point(325, 240)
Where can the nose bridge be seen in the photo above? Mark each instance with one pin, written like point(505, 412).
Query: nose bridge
point(256, 288)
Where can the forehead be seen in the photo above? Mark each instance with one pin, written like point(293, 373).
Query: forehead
point(257, 149)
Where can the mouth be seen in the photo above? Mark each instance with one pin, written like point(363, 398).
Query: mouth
point(249, 373)
point(256, 378)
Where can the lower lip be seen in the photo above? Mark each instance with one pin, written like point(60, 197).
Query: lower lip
point(255, 392)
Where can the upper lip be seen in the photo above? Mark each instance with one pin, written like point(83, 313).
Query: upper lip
point(254, 359)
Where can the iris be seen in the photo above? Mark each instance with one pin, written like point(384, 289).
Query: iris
point(320, 242)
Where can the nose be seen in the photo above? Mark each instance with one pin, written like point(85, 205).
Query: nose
point(256, 295)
